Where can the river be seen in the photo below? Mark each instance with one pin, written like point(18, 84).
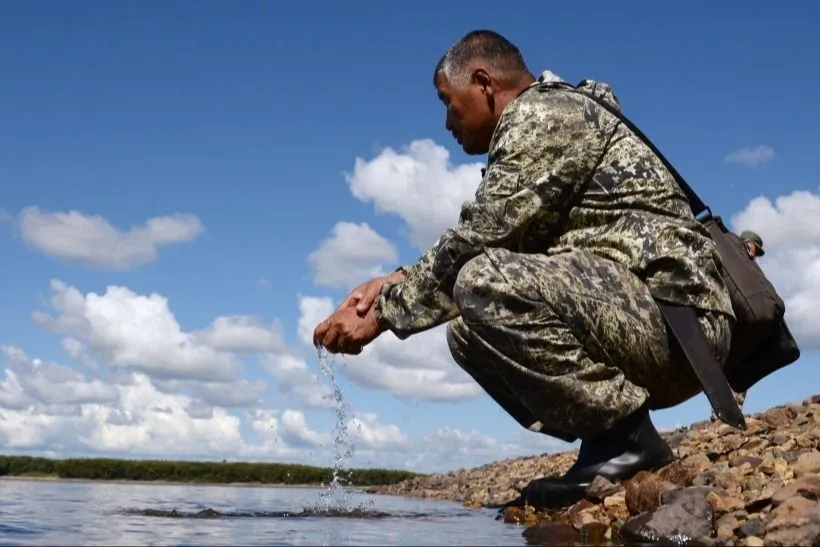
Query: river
point(45, 512)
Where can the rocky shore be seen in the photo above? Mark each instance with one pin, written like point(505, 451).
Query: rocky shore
point(726, 487)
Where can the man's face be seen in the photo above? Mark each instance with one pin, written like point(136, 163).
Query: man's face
point(470, 113)
point(752, 249)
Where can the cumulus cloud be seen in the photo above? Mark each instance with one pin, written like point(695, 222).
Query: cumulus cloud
point(791, 236)
point(352, 254)
point(139, 332)
point(93, 241)
point(419, 184)
point(52, 409)
point(750, 156)
point(240, 334)
point(421, 369)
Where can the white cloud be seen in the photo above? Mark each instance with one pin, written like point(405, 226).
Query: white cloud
point(51, 409)
point(93, 241)
point(242, 333)
point(791, 237)
point(419, 184)
point(352, 254)
point(750, 156)
point(294, 378)
point(420, 369)
point(140, 332)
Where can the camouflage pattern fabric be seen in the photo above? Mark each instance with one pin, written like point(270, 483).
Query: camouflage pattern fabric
point(575, 339)
point(564, 175)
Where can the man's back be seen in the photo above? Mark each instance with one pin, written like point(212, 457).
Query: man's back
point(630, 210)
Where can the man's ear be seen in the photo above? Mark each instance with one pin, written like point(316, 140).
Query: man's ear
point(482, 79)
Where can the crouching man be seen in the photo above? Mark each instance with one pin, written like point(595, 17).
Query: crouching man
point(550, 278)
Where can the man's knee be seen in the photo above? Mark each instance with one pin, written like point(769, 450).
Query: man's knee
point(485, 285)
point(473, 286)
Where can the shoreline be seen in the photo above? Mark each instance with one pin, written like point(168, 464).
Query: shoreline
point(161, 482)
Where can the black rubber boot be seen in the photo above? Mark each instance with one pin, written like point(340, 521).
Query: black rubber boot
point(632, 445)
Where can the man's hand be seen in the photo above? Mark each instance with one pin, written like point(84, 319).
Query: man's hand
point(363, 296)
point(346, 331)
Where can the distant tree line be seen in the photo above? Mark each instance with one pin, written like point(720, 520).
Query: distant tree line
point(197, 472)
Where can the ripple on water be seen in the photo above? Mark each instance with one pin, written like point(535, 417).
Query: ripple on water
point(356, 513)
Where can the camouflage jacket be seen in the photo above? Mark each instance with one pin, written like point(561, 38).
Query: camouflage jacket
point(563, 173)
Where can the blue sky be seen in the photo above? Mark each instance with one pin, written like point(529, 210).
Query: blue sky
point(265, 125)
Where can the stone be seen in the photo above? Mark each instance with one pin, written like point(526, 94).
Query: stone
point(807, 463)
point(615, 506)
point(689, 518)
point(780, 438)
point(796, 506)
point(753, 461)
point(723, 502)
point(599, 488)
point(753, 541)
point(807, 486)
point(644, 491)
point(778, 418)
point(795, 530)
point(552, 534)
point(595, 533)
point(683, 472)
point(751, 527)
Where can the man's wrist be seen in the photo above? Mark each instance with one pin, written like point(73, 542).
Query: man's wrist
point(378, 306)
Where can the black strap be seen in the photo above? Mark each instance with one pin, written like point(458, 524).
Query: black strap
point(697, 205)
point(683, 322)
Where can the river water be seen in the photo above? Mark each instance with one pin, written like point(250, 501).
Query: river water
point(101, 513)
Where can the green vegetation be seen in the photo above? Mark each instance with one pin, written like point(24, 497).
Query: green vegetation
point(196, 472)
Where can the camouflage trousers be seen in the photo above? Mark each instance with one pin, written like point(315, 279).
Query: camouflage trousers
point(569, 343)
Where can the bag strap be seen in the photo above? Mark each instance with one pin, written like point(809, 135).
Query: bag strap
point(697, 205)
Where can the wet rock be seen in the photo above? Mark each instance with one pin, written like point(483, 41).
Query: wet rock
point(595, 533)
point(687, 520)
point(520, 515)
point(552, 534)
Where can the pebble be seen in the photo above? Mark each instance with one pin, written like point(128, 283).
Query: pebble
point(755, 487)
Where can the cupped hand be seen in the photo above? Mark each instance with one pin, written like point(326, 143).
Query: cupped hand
point(363, 296)
point(345, 331)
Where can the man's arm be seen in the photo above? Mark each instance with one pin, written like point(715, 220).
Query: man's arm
point(543, 150)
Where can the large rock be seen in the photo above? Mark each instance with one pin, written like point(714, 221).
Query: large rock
point(688, 520)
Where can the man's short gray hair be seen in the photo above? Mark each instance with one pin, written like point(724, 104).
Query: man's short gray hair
point(488, 45)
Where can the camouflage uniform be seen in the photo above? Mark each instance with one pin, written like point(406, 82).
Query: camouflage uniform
point(552, 271)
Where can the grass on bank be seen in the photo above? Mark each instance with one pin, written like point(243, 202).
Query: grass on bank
point(192, 472)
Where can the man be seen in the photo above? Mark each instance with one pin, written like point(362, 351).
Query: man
point(754, 246)
point(754, 243)
point(550, 278)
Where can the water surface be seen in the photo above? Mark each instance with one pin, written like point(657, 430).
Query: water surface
point(101, 513)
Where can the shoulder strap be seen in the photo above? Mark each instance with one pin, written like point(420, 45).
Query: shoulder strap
point(697, 205)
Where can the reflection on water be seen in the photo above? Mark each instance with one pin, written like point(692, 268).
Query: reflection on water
point(99, 513)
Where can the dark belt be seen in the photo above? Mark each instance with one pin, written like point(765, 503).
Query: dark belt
point(686, 330)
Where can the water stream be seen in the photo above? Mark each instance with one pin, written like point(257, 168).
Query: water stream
point(336, 499)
